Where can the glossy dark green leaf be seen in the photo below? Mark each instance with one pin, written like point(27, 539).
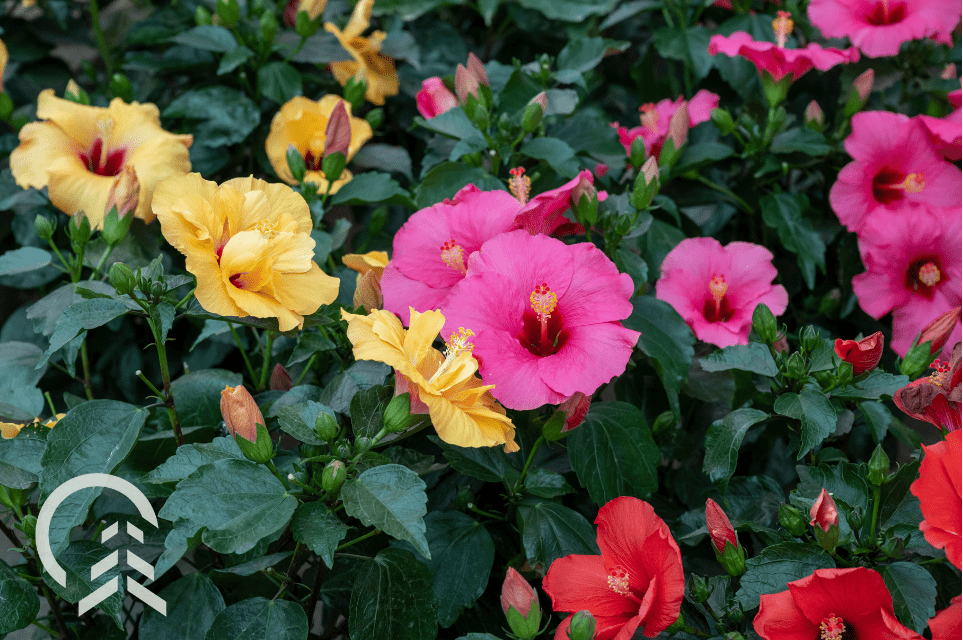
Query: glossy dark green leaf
point(551, 531)
point(197, 396)
point(843, 480)
point(299, 420)
point(666, 339)
point(444, 180)
point(367, 408)
point(914, 593)
point(259, 618)
point(225, 116)
point(801, 140)
point(82, 316)
point(547, 485)
point(489, 464)
point(754, 357)
point(76, 559)
point(359, 376)
point(315, 526)
point(723, 441)
point(372, 187)
point(191, 456)
point(897, 504)
point(555, 152)
point(814, 411)
point(570, 10)
point(391, 498)
point(208, 38)
point(193, 602)
point(874, 386)
point(233, 59)
point(19, 603)
point(784, 213)
point(393, 598)
point(279, 81)
point(24, 259)
point(22, 454)
point(769, 571)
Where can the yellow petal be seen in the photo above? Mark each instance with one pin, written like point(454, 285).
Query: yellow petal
point(155, 161)
point(41, 145)
point(305, 293)
point(422, 332)
point(469, 426)
point(360, 19)
point(286, 207)
point(72, 188)
point(375, 261)
point(188, 220)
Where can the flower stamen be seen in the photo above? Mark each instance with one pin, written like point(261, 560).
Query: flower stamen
point(832, 627)
point(544, 301)
point(453, 255)
point(519, 184)
point(942, 371)
point(457, 344)
point(929, 274)
point(782, 27)
point(618, 581)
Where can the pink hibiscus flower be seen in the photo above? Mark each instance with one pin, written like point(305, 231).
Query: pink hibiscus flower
point(431, 250)
point(435, 98)
point(945, 133)
point(913, 268)
point(715, 288)
point(894, 166)
point(545, 316)
point(656, 117)
point(778, 61)
point(544, 214)
point(879, 27)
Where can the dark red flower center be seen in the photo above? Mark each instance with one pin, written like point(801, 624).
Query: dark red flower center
point(543, 330)
point(103, 162)
point(886, 12)
point(716, 308)
point(923, 275)
point(890, 185)
point(312, 162)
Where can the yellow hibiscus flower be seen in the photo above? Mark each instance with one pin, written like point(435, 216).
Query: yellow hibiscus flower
point(369, 64)
point(248, 243)
point(302, 122)
point(10, 430)
point(462, 410)
point(78, 152)
point(4, 57)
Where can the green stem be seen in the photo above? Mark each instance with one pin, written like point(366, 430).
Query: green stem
point(101, 41)
point(736, 200)
point(528, 463)
point(185, 299)
point(85, 360)
point(103, 259)
point(49, 631)
point(357, 540)
point(296, 49)
point(491, 515)
point(147, 382)
point(306, 369)
point(247, 361)
point(50, 403)
point(280, 477)
point(872, 523)
point(166, 376)
point(265, 367)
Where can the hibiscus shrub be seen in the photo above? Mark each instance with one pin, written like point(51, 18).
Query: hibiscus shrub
point(404, 327)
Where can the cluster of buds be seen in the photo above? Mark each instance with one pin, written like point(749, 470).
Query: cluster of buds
point(725, 543)
point(473, 92)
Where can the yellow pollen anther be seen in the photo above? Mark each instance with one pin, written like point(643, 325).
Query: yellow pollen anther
point(832, 627)
point(782, 26)
point(544, 301)
point(453, 255)
point(105, 126)
point(914, 183)
point(718, 287)
point(267, 229)
point(619, 580)
point(929, 274)
point(648, 116)
point(519, 184)
point(458, 343)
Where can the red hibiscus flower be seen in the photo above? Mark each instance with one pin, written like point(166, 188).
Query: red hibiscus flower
point(946, 624)
point(863, 355)
point(637, 581)
point(831, 604)
point(935, 398)
point(938, 489)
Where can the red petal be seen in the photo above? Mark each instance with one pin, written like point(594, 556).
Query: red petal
point(580, 582)
point(780, 618)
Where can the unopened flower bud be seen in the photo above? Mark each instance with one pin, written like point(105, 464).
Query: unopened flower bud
point(78, 229)
point(45, 229)
point(362, 444)
point(940, 330)
point(796, 366)
point(698, 588)
point(124, 193)
point(122, 278)
point(637, 152)
point(722, 119)
point(333, 165)
point(466, 84)
point(792, 519)
point(825, 521)
point(261, 450)
point(949, 72)
point(764, 323)
point(878, 467)
point(296, 163)
point(280, 379)
point(863, 355)
point(333, 477)
point(781, 345)
point(337, 135)
point(809, 338)
point(367, 293)
point(228, 12)
point(585, 201)
point(326, 427)
point(120, 87)
point(533, 113)
point(202, 17)
point(269, 26)
point(240, 412)
point(815, 119)
point(354, 91)
point(477, 70)
point(575, 407)
point(601, 169)
point(859, 92)
point(304, 24)
point(678, 135)
point(375, 117)
point(646, 184)
point(581, 626)
point(724, 541)
point(397, 415)
point(520, 605)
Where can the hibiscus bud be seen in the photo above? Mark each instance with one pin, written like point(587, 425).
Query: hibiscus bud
point(296, 163)
point(878, 467)
point(354, 91)
point(581, 626)
point(859, 92)
point(575, 407)
point(646, 184)
point(337, 135)
point(333, 166)
point(45, 229)
point(333, 477)
point(601, 169)
point(724, 541)
point(791, 519)
point(825, 521)
point(722, 119)
point(863, 355)
point(809, 338)
point(261, 450)
point(367, 292)
point(397, 416)
point(698, 588)
point(202, 17)
point(796, 366)
point(764, 323)
point(124, 193)
point(305, 25)
point(677, 137)
point(120, 87)
point(326, 427)
point(269, 26)
point(520, 604)
point(435, 98)
point(122, 278)
point(78, 229)
point(465, 84)
point(533, 113)
point(280, 379)
point(477, 70)
point(240, 412)
point(375, 117)
point(939, 331)
point(949, 72)
point(815, 119)
point(228, 12)
point(637, 152)
point(781, 345)
point(585, 202)
point(362, 444)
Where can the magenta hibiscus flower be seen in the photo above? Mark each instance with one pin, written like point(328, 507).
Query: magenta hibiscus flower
point(879, 27)
point(656, 117)
point(545, 316)
point(945, 133)
point(715, 288)
point(431, 250)
point(544, 214)
point(913, 268)
point(894, 166)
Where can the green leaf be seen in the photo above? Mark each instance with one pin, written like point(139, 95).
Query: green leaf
point(207, 38)
point(234, 59)
point(914, 593)
point(547, 485)
point(24, 453)
point(613, 453)
point(93, 437)
point(360, 376)
point(226, 116)
point(298, 421)
point(315, 526)
point(392, 498)
point(570, 10)
point(754, 357)
point(19, 603)
point(489, 464)
point(689, 45)
point(163, 317)
point(410, 9)
point(193, 602)
point(197, 396)
point(784, 213)
point(453, 124)
point(803, 140)
point(20, 398)
point(372, 187)
point(367, 408)
point(815, 412)
point(584, 54)
point(551, 531)
point(769, 571)
point(82, 316)
point(697, 154)
point(462, 555)
point(444, 181)
point(279, 81)
point(723, 441)
point(392, 598)
point(190, 457)
point(259, 618)
point(666, 339)
point(875, 385)
point(257, 564)
point(555, 152)
point(257, 505)
point(896, 503)
point(843, 480)
point(25, 259)
point(76, 560)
